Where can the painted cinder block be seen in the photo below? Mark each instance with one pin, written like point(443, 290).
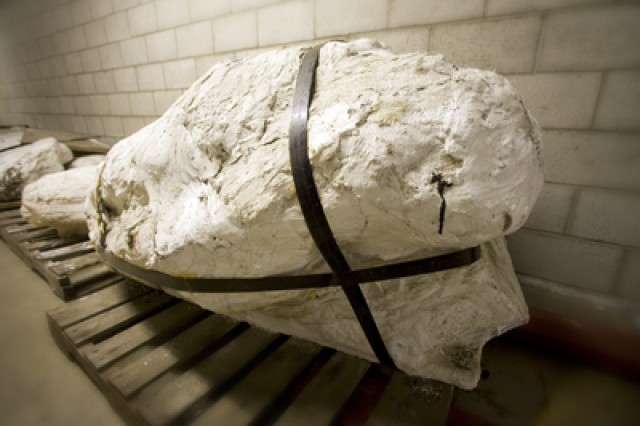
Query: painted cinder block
point(95, 33)
point(86, 85)
point(99, 104)
point(164, 100)
point(162, 46)
point(552, 207)
point(117, 27)
point(62, 17)
point(171, 13)
point(499, 7)
point(415, 12)
point(82, 105)
point(619, 106)
point(142, 19)
point(606, 215)
point(560, 100)
point(76, 38)
point(240, 5)
point(506, 45)
point(78, 124)
point(113, 126)
point(100, 8)
point(597, 159)
point(134, 51)
point(105, 82)
point(150, 77)
point(205, 9)
point(126, 79)
point(66, 105)
point(124, 4)
point(195, 39)
point(80, 12)
point(415, 39)
point(73, 63)
point(234, 32)
point(45, 45)
point(298, 16)
point(142, 103)
point(70, 86)
point(95, 126)
point(569, 260)
point(131, 125)
point(91, 59)
point(629, 285)
point(591, 39)
point(180, 74)
point(203, 63)
point(110, 56)
point(334, 17)
point(60, 43)
point(119, 104)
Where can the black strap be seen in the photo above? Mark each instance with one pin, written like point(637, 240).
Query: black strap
point(288, 282)
point(312, 206)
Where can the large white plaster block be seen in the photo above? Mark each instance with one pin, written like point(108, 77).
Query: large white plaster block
point(58, 200)
point(20, 166)
point(206, 190)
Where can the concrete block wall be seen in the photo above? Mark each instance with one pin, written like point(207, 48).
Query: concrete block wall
point(108, 67)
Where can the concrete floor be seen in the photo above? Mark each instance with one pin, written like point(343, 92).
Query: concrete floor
point(39, 385)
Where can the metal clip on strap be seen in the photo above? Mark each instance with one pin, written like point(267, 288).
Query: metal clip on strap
point(312, 207)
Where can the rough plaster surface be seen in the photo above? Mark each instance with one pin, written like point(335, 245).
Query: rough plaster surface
point(58, 200)
point(20, 166)
point(206, 190)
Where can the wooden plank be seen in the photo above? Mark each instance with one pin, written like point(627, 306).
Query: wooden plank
point(164, 401)
point(68, 266)
point(84, 289)
point(116, 318)
point(64, 252)
point(10, 205)
point(22, 227)
point(152, 328)
point(12, 221)
point(88, 146)
point(34, 235)
point(129, 379)
point(409, 401)
point(322, 399)
point(89, 273)
point(47, 244)
point(7, 214)
point(261, 387)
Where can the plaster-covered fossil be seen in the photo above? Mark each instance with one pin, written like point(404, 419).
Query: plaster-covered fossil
point(58, 200)
point(206, 191)
point(25, 164)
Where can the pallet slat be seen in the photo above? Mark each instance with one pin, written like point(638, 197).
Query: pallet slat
point(164, 401)
point(107, 351)
point(181, 348)
point(252, 395)
point(322, 399)
point(119, 317)
point(64, 252)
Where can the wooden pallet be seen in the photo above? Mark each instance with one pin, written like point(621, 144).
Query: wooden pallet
point(163, 361)
point(70, 266)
